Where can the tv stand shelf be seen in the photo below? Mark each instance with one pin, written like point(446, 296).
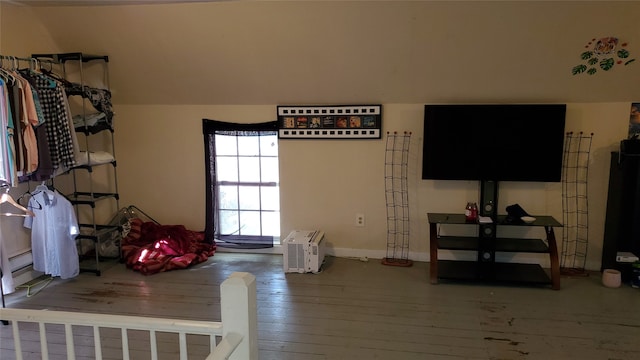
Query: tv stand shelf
point(491, 270)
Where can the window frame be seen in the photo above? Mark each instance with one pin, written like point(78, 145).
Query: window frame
point(211, 128)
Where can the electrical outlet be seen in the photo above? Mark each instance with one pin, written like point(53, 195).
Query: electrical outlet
point(360, 220)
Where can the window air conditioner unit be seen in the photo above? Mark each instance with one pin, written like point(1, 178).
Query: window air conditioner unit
point(303, 251)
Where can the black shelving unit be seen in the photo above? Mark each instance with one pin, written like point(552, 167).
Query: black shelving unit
point(486, 268)
point(85, 190)
point(621, 228)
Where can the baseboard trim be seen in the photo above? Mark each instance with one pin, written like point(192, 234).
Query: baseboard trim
point(527, 258)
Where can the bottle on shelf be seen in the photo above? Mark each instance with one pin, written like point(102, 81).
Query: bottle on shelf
point(471, 212)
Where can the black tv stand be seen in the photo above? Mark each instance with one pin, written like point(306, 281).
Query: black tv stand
point(487, 244)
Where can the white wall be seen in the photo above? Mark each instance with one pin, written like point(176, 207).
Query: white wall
point(324, 183)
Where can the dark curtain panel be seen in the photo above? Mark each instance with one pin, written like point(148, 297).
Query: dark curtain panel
point(210, 128)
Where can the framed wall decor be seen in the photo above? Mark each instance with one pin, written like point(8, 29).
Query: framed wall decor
point(333, 121)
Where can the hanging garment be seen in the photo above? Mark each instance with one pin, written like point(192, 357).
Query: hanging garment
point(5, 171)
point(53, 232)
point(11, 148)
point(29, 119)
point(8, 285)
point(45, 169)
point(15, 98)
point(72, 129)
point(54, 102)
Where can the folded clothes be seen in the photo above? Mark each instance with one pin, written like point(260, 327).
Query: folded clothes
point(94, 158)
point(88, 120)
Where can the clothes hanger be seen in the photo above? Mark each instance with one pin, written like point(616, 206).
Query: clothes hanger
point(5, 73)
point(34, 65)
point(7, 198)
point(42, 187)
point(7, 76)
point(28, 193)
point(49, 72)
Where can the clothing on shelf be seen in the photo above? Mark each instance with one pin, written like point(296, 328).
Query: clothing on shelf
point(99, 98)
point(53, 232)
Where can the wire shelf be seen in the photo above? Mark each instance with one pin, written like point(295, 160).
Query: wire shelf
point(575, 204)
point(397, 198)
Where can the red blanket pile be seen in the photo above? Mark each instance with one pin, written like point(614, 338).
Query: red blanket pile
point(152, 248)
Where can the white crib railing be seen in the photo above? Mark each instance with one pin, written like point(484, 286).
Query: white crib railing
point(238, 328)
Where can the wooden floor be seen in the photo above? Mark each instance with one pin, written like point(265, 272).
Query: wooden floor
point(365, 310)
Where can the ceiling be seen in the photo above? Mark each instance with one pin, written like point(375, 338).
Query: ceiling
point(337, 52)
point(100, 2)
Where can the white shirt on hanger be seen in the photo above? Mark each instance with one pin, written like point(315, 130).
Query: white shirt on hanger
point(53, 233)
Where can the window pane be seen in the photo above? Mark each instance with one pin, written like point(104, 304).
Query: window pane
point(270, 198)
point(227, 169)
point(228, 222)
point(245, 209)
point(228, 197)
point(249, 145)
point(269, 169)
point(271, 223)
point(249, 223)
point(249, 169)
point(249, 197)
point(269, 145)
point(226, 145)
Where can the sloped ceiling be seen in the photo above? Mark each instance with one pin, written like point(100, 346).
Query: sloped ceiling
point(49, 3)
point(311, 52)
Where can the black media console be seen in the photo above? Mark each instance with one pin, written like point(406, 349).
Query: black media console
point(487, 244)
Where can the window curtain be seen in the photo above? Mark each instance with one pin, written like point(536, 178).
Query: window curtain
point(210, 128)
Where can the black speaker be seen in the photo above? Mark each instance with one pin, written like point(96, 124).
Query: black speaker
point(486, 256)
point(487, 230)
point(486, 249)
point(622, 228)
point(489, 198)
point(486, 242)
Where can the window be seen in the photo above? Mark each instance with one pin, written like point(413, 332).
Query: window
point(243, 202)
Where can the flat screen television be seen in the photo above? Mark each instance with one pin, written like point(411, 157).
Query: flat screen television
point(510, 142)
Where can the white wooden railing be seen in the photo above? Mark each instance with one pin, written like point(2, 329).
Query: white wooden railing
point(238, 328)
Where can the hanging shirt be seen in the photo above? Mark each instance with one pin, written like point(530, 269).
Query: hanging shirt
point(9, 156)
point(52, 100)
point(29, 119)
point(8, 285)
point(53, 233)
point(5, 171)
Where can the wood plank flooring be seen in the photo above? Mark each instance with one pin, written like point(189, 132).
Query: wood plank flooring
point(366, 310)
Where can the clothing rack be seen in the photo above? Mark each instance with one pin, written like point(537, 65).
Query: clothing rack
point(18, 58)
point(33, 62)
point(6, 57)
point(13, 63)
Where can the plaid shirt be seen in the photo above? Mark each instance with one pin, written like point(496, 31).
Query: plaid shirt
point(52, 101)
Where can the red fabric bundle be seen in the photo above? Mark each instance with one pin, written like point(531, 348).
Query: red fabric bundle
point(151, 248)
